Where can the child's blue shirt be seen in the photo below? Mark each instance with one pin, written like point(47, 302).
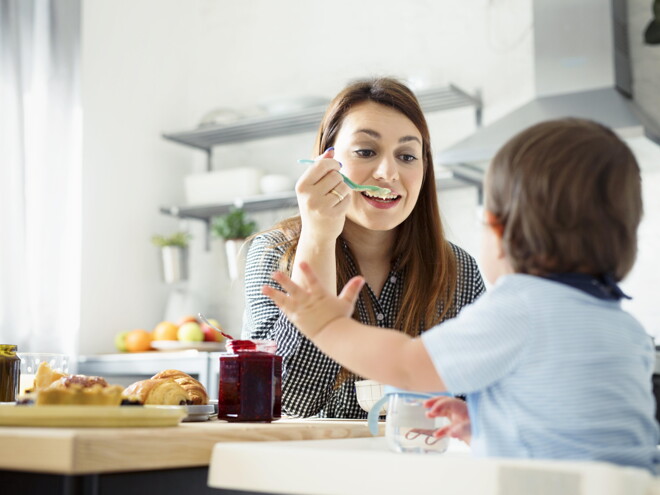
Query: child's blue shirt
point(551, 372)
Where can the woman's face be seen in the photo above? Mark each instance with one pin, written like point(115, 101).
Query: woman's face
point(380, 146)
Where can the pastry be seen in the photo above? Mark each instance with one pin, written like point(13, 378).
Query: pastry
point(196, 391)
point(157, 392)
point(79, 390)
point(45, 376)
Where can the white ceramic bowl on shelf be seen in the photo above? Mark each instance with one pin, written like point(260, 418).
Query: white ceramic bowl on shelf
point(368, 392)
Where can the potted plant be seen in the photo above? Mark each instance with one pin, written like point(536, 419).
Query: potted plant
point(174, 256)
point(233, 228)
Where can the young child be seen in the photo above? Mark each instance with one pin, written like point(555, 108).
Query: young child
point(551, 366)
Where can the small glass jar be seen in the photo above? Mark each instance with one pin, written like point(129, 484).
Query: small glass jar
point(10, 372)
point(250, 382)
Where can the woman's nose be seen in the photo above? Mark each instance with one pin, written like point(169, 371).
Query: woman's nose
point(386, 170)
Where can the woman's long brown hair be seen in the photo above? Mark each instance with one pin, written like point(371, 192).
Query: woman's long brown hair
point(421, 248)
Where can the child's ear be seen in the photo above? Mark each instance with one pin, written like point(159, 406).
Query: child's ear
point(493, 222)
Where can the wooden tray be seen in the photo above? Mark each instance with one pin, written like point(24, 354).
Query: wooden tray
point(91, 416)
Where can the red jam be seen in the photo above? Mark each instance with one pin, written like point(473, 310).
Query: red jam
point(250, 386)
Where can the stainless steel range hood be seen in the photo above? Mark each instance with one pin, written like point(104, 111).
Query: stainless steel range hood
point(581, 69)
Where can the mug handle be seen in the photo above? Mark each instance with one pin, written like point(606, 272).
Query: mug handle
point(372, 418)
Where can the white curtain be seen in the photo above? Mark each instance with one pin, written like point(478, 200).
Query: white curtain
point(40, 174)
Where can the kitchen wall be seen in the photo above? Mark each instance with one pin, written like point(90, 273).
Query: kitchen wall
point(644, 280)
point(151, 66)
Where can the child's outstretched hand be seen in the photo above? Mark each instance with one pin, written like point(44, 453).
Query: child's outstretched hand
point(314, 308)
point(457, 412)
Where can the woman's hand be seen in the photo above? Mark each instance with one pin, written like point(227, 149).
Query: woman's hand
point(323, 199)
point(312, 308)
point(457, 412)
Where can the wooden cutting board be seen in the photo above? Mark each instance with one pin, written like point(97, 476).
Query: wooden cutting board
point(102, 450)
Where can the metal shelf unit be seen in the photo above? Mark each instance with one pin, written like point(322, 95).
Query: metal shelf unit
point(307, 120)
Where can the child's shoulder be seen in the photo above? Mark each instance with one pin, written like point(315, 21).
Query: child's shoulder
point(532, 291)
point(545, 296)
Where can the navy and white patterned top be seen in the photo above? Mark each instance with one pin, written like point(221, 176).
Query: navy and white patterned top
point(552, 372)
point(309, 376)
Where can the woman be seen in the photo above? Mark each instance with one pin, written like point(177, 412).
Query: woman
point(375, 132)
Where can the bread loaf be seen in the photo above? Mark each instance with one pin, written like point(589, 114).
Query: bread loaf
point(157, 392)
point(196, 391)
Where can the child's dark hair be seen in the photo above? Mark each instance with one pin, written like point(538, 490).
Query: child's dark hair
point(568, 195)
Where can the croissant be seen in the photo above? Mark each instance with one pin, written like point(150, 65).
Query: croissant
point(157, 392)
point(196, 391)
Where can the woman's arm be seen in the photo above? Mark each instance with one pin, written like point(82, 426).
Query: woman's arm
point(322, 215)
point(308, 374)
point(263, 258)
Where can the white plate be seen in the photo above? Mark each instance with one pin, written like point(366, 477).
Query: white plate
point(91, 416)
point(176, 345)
point(199, 412)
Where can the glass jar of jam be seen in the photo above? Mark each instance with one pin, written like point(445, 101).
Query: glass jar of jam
point(250, 382)
point(10, 372)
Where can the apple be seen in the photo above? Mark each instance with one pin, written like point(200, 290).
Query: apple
point(187, 319)
point(210, 333)
point(190, 332)
point(120, 341)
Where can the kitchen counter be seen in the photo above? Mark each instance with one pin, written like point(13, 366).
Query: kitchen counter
point(81, 457)
point(363, 466)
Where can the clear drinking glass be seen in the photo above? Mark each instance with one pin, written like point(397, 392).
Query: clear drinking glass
point(30, 363)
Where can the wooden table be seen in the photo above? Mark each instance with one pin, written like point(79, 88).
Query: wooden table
point(138, 460)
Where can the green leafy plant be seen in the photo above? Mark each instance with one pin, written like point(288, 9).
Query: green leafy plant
point(179, 239)
point(233, 225)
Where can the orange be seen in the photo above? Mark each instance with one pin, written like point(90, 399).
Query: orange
point(165, 330)
point(138, 340)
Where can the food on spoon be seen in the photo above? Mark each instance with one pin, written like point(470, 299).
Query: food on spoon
point(165, 392)
point(197, 394)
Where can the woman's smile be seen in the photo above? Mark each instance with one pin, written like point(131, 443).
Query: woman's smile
point(382, 203)
point(380, 146)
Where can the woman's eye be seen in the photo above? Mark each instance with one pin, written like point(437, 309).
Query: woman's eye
point(365, 153)
point(408, 158)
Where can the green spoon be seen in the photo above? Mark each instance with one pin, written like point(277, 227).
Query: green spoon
point(375, 190)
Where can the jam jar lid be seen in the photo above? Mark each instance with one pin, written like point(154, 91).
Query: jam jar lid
point(8, 349)
point(237, 346)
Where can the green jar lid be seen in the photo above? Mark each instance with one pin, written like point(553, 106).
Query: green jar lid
point(8, 349)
